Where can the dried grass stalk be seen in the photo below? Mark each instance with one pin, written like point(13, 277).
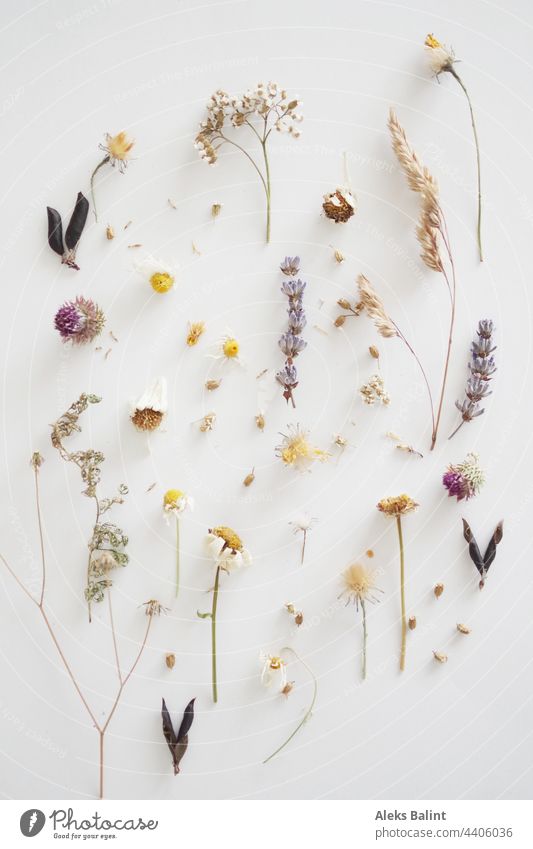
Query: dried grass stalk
point(373, 305)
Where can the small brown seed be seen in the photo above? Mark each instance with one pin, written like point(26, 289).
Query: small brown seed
point(463, 629)
point(438, 590)
point(260, 421)
point(373, 351)
point(344, 304)
point(339, 257)
point(299, 618)
point(440, 657)
point(249, 479)
point(339, 321)
point(109, 232)
point(412, 623)
point(170, 660)
point(210, 385)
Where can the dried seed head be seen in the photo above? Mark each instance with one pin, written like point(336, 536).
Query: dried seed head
point(208, 422)
point(260, 421)
point(412, 623)
point(109, 232)
point(438, 590)
point(36, 460)
point(344, 304)
point(249, 479)
point(339, 206)
point(210, 385)
point(299, 618)
point(373, 351)
point(215, 209)
point(339, 257)
point(440, 657)
point(170, 660)
point(339, 321)
point(287, 688)
point(463, 629)
point(147, 419)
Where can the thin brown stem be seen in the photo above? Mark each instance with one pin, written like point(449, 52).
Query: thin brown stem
point(41, 535)
point(304, 532)
point(424, 375)
point(114, 635)
point(452, 286)
point(104, 161)
point(363, 609)
point(454, 74)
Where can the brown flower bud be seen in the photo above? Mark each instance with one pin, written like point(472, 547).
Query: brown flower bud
point(369, 553)
point(260, 421)
point(249, 479)
point(438, 590)
point(339, 321)
point(412, 623)
point(440, 657)
point(210, 385)
point(299, 618)
point(215, 209)
point(463, 629)
point(344, 304)
point(109, 233)
point(170, 660)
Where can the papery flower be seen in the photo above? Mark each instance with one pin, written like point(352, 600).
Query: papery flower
point(374, 390)
point(227, 349)
point(226, 548)
point(150, 409)
point(440, 57)
point(397, 505)
point(273, 671)
point(303, 524)
point(290, 266)
point(154, 607)
point(160, 274)
point(117, 153)
point(464, 480)
point(339, 205)
point(196, 328)
point(360, 588)
point(175, 502)
point(79, 321)
point(291, 345)
point(297, 452)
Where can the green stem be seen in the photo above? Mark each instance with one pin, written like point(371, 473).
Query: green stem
point(454, 73)
point(268, 189)
point(402, 590)
point(104, 161)
point(308, 711)
point(363, 608)
point(177, 556)
point(452, 287)
point(214, 636)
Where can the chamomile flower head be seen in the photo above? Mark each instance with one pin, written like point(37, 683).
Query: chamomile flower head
point(227, 549)
point(227, 349)
point(440, 57)
point(175, 501)
point(297, 451)
point(151, 407)
point(273, 671)
point(118, 149)
point(160, 274)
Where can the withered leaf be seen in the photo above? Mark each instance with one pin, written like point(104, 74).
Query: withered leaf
point(177, 744)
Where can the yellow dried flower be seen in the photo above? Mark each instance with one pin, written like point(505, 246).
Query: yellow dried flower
point(297, 451)
point(196, 328)
point(118, 147)
point(397, 505)
point(230, 347)
point(260, 421)
point(161, 282)
point(230, 537)
point(359, 584)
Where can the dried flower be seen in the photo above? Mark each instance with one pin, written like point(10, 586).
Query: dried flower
point(290, 266)
point(412, 623)
point(374, 391)
point(79, 321)
point(177, 743)
point(211, 385)
point(117, 151)
point(401, 445)
point(160, 274)
point(196, 328)
point(260, 421)
point(351, 310)
point(438, 590)
point(481, 368)
point(273, 671)
point(482, 562)
point(360, 588)
point(339, 205)
point(216, 210)
point(303, 524)
point(296, 614)
point(338, 256)
point(464, 480)
point(175, 502)
point(286, 690)
point(440, 657)
point(442, 61)
point(297, 452)
point(227, 350)
point(109, 233)
point(150, 409)
point(291, 343)
point(463, 629)
point(249, 479)
point(170, 660)
point(67, 249)
point(154, 607)
point(262, 109)
point(207, 422)
point(374, 308)
point(395, 507)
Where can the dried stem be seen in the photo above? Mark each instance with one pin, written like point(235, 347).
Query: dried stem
point(308, 711)
point(402, 592)
point(214, 636)
point(454, 74)
point(363, 609)
point(104, 161)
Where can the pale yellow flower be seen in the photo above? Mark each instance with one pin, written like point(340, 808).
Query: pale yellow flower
point(297, 451)
point(118, 149)
point(397, 505)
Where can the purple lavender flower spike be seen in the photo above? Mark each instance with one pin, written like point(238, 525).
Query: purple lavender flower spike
point(290, 266)
point(291, 345)
point(297, 320)
point(294, 289)
point(481, 366)
point(291, 342)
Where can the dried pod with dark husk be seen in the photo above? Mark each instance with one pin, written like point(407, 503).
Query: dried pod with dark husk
point(177, 743)
point(67, 249)
point(482, 562)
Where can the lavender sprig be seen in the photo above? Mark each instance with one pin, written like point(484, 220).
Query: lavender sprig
point(482, 367)
point(291, 343)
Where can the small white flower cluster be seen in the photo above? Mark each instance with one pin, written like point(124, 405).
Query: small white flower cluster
point(374, 391)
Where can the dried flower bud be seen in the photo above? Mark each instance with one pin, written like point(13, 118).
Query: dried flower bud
point(260, 421)
point(215, 209)
point(373, 351)
point(339, 257)
point(463, 629)
point(438, 590)
point(170, 660)
point(36, 460)
point(412, 623)
point(290, 608)
point(287, 688)
point(299, 618)
point(109, 233)
point(210, 385)
point(249, 479)
point(208, 422)
point(440, 657)
point(339, 321)
point(344, 304)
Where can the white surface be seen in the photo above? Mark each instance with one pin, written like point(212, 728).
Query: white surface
point(76, 70)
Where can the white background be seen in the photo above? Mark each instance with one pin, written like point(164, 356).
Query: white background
point(74, 70)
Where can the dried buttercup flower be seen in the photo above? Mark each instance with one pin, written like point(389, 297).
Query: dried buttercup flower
point(67, 249)
point(170, 660)
point(463, 629)
point(79, 321)
point(438, 590)
point(117, 151)
point(482, 562)
point(160, 274)
point(297, 452)
point(177, 743)
point(374, 391)
point(150, 409)
point(339, 205)
point(440, 657)
point(464, 480)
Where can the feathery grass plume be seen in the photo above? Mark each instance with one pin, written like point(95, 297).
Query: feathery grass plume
point(432, 235)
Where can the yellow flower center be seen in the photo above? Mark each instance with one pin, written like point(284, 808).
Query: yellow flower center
point(172, 496)
point(275, 662)
point(229, 536)
point(231, 348)
point(161, 281)
point(119, 146)
point(431, 41)
point(195, 331)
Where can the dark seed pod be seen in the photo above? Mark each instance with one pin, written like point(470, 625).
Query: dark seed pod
point(55, 231)
point(77, 222)
point(482, 563)
point(177, 744)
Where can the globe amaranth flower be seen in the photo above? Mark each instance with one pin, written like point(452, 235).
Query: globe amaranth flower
point(79, 321)
point(464, 480)
point(291, 345)
point(297, 451)
point(339, 206)
point(160, 274)
point(273, 671)
point(397, 505)
point(150, 409)
point(290, 266)
point(226, 548)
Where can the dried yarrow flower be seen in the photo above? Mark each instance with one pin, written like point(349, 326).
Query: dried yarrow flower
point(339, 205)
point(464, 480)
point(262, 109)
point(150, 409)
point(291, 342)
point(442, 61)
point(481, 367)
point(177, 743)
point(79, 321)
point(117, 151)
point(482, 562)
point(374, 391)
point(297, 452)
point(360, 588)
point(67, 249)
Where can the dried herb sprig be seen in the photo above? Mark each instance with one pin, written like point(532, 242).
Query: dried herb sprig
point(309, 710)
point(482, 562)
point(291, 342)
point(67, 249)
point(108, 541)
point(442, 61)
point(153, 609)
point(261, 110)
point(482, 367)
point(177, 743)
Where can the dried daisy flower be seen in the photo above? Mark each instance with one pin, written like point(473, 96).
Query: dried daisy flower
point(150, 409)
point(261, 110)
point(290, 266)
point(303, 524)
point(482, 367)
point(360, 588)
point(79, 321)
point(464, 480)
point(196, 328)
point(208, 422)
point(175, 502)
point(442, 61)
point(438, 590)
point(297, 452)
point(227, 350)
point(297, 615)
point(432, 235)
point(286, 690)
point(66, 248)
point(401, 445)
point(229, 554)
point(211, 385)
point(117, 151)
point(463, 629)
point(339, 205)
point(160, 274)
point(395, 507)
point(440, 657)
point(273, 671)
point(291, 342)
point(374, 391)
